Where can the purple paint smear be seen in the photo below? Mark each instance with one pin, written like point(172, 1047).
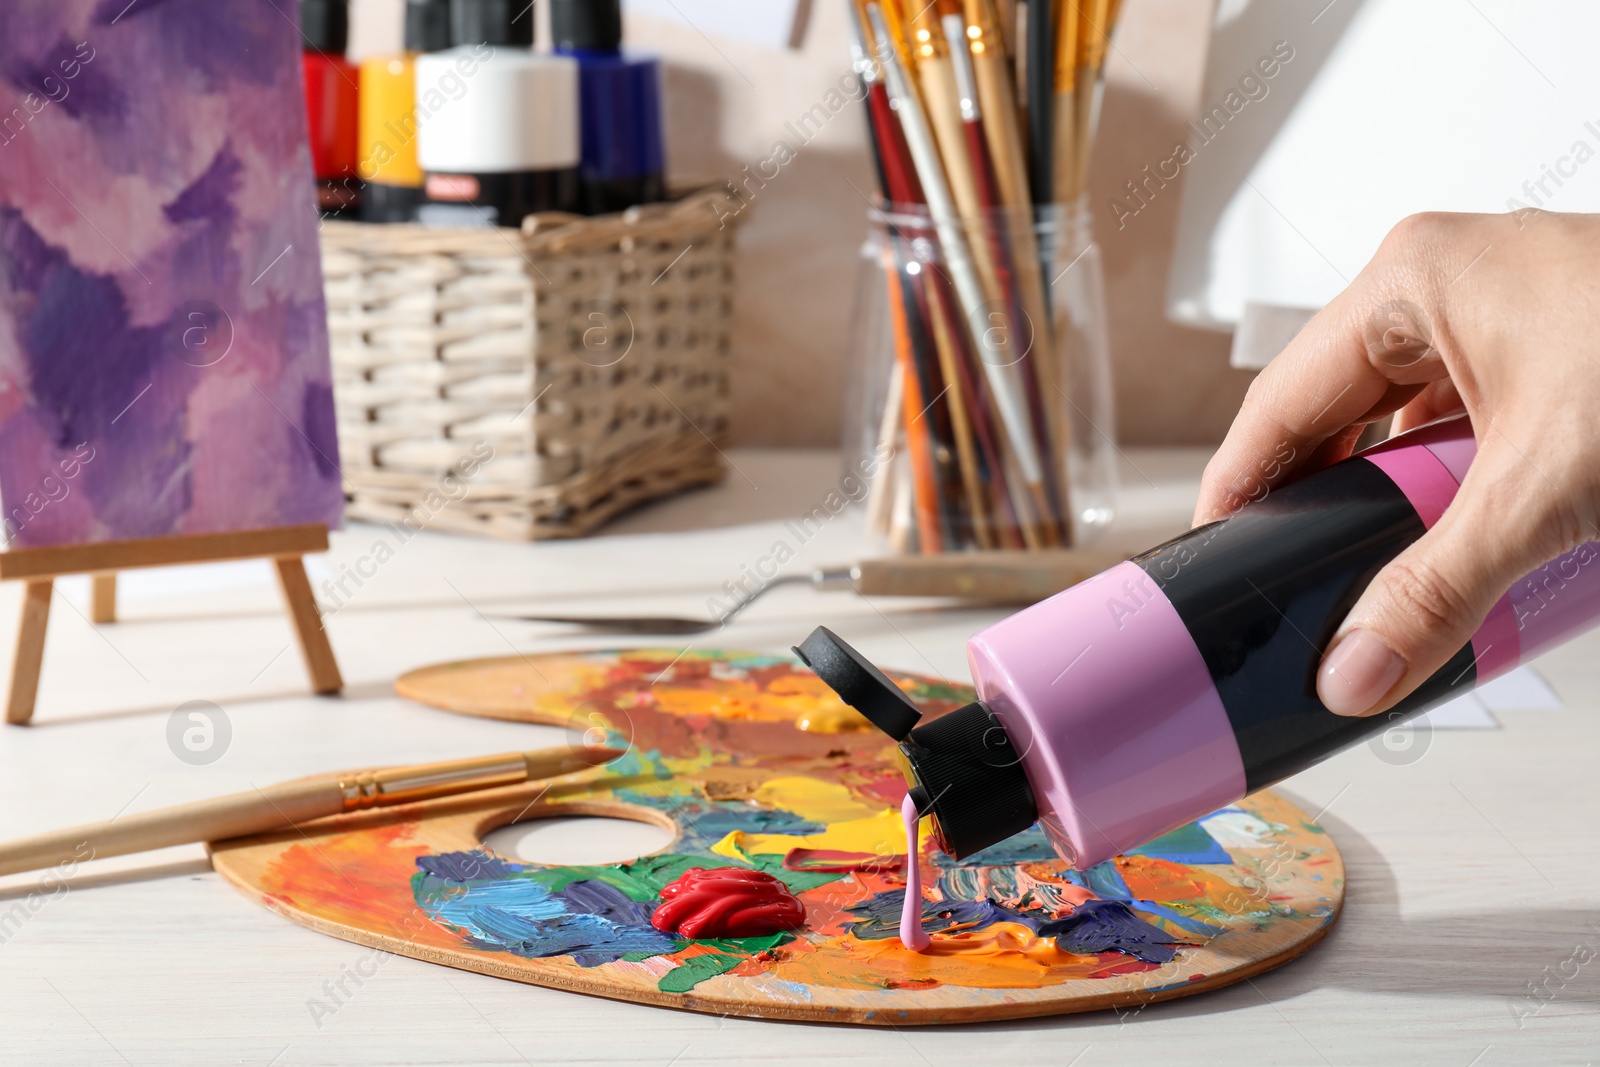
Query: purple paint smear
point(163, 339)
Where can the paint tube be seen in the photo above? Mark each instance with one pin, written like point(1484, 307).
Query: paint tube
point(1184, 679)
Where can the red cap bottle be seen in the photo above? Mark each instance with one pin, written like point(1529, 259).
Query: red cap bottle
point(332, 106)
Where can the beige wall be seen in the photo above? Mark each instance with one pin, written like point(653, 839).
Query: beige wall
point(728, 102)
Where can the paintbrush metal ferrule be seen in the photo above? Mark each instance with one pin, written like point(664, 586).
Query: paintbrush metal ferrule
point(405, 785)
point(927, 45)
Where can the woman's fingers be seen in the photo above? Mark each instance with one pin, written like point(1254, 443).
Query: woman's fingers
point(1435, 401)
point(1368, 353)
point(1490, 315)
point(1425, 605)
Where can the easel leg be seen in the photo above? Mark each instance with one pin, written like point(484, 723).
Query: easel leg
point(314, 647)
point(103, 598)
point(30, 651)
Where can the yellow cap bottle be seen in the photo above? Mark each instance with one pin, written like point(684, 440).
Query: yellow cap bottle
point(389, 118)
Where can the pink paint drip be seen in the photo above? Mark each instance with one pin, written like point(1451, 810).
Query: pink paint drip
point(911, 935)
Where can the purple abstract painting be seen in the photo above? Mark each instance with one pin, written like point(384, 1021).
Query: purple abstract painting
point(163, 341)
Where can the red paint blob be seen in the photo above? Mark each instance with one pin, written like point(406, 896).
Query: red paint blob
point(727, 902)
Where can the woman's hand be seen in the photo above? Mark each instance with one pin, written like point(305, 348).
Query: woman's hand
point(1497, 315)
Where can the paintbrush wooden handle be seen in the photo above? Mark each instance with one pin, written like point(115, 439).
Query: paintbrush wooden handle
point(1013, 577)
point(235, 815)
point(276, 807)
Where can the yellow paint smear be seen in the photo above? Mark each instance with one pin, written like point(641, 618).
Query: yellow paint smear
point(785, 700)
point(880, 835)
point(814, 799)
point(837, 719)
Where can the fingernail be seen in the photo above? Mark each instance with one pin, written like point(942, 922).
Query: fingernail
point(1357, 673)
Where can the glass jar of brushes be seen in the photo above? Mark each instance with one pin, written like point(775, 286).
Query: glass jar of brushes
point(983, 415)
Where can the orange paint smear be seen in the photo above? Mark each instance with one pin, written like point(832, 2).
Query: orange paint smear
point(358, 879)
point(1149, 878)
point(828, 906)
point(1001, 956)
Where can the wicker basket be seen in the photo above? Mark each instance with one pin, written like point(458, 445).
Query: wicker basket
point(531, 384)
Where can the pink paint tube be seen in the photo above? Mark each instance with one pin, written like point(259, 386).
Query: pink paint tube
point(1184, 679)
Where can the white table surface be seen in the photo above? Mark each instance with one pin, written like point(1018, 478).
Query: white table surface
point(1473, 870)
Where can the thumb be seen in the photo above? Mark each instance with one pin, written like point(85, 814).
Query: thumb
point(1426, 604)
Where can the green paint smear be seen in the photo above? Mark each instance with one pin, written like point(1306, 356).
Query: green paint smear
point(750, 946)
point(691, 972)
point(644, 879)
point(636, 764)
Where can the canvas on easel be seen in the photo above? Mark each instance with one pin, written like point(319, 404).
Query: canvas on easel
point(165, 390)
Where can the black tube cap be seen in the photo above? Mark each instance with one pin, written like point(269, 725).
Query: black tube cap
point(858, 683)
point(969, 777)
point(506, 23)
point(427, 25)
point(325, 26)
point(966, 771)
point(586, 25)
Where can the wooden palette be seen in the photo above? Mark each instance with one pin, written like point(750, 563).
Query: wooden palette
point(717, 754)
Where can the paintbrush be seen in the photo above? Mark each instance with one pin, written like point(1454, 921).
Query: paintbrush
point(1006, 389)
point(951, 110)
point(901, 187)
point(990, 63)
point(1069, 56)
point(898, 184)
point(287, 804)
point(1040, 70)
point(987, 56)
point(880, 495)
point(919, 397)
point(1094, 35)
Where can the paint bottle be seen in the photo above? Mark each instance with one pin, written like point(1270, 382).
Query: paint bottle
point(501, 137)
point(331, 103)
point(390, 117)
point(1184, 679)
point(619, 107)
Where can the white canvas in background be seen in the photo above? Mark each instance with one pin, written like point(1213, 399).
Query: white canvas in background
point(1388, 107)
point(773, 23)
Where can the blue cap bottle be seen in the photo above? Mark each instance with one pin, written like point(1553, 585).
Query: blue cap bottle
point(619, 103)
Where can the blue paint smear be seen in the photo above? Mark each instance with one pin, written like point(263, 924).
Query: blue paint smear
point(505, 909)
point(608, 902)
point(1105, 882)
point(1184, 922)
point(1097, 926)
point(880, 916)
point(465, 866)
point(705, 822)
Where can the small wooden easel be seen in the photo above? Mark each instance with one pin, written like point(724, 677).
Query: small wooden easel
point(39, 567)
